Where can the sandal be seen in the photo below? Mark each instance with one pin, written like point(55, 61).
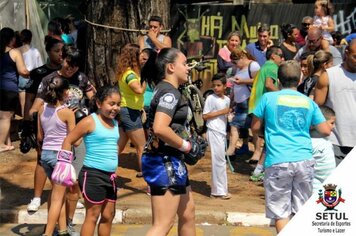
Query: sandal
point(252, 162)
point(6, 148)
point(222, 197)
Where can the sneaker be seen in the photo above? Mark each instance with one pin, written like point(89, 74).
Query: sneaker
point(34, 205)
point(71, 231)
point(257, 178)
point(242, 150)
point(79, 205)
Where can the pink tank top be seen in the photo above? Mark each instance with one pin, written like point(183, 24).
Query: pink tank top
point(54, 129)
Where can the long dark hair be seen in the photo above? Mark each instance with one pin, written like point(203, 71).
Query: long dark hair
point(101, 95)
point(164, 57)
point(287, 29)
point(55, 90)
point(6, 35)
point(149, 70)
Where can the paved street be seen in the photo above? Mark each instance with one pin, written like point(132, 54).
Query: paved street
point(137, 230)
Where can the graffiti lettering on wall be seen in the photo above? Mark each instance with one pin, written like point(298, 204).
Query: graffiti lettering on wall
point(201, 30)
point(345, 24)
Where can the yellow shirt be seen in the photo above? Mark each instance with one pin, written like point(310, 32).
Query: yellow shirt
point(129, 98)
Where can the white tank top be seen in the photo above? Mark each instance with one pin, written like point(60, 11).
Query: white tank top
point(342, 99)
point(150, 44)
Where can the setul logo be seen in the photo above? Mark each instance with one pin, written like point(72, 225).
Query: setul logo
point(330, 197)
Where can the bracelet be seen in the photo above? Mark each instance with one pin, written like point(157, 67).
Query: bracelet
point(186, 146)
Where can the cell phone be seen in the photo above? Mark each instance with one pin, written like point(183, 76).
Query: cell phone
point(231, 79)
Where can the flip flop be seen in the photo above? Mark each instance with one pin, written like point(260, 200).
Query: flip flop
point(6, 148)
point(222, 197)
point(252, 162)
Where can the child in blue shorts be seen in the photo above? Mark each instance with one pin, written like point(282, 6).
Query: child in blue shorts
point(55, 121)
point(289, 165)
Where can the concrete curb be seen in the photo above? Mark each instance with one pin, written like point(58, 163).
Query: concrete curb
point(142, 216)
point(248, 219)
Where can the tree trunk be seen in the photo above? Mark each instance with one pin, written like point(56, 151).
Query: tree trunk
point(103, 44)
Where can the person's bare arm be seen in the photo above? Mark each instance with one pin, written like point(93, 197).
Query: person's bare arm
point(40, 133)
point(29, 99)
point(67, 115)
point(269, 84)
point(239, 81)
point(324, 128)
point(137, 87)
point(256, 124)
point(164, 132)
point(321, 89)
point(20, 64)
point(325, 45)
point(167, 42)
point(84, 127)
point(35, 106)
point(214, 114)
point(331, 25)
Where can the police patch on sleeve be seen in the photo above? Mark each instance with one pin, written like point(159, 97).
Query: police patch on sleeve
point(168, 101)
point(40, 88)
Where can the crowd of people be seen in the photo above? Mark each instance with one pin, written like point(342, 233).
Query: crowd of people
point(274, 91)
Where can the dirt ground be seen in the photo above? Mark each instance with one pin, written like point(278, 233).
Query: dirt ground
point(17, 169)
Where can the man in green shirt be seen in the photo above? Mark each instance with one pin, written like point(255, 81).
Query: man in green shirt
point(265, 81)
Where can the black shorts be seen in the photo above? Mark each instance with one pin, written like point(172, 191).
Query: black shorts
point(175, 189)
point(9, 100)
point(98, 186)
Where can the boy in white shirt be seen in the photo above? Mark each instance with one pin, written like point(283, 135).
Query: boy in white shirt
point(216, 108)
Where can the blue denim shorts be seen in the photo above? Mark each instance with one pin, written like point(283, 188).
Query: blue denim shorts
point(241, 118)
point(130, 119)
point(48, 161)
point(23, 83)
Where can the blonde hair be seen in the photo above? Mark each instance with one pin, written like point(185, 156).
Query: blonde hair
point(326, 5)
point(316, 61)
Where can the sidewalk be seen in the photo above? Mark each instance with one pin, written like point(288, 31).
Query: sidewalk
point(246, 207)
point(143, 216)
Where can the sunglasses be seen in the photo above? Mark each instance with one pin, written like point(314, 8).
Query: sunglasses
point(306, 24)
point(280, 55)
point(314, 41)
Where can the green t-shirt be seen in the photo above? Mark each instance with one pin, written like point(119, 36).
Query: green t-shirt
point(268, 70)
